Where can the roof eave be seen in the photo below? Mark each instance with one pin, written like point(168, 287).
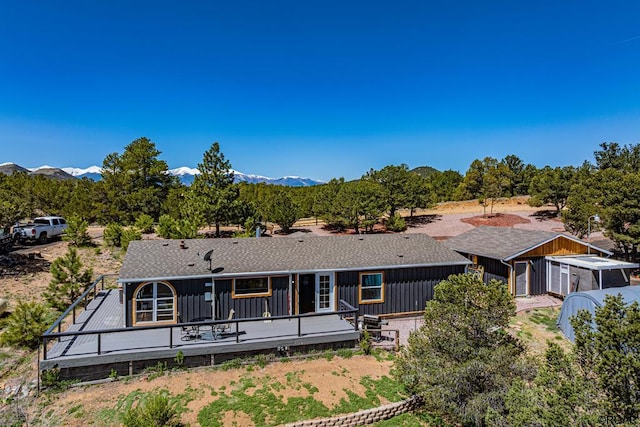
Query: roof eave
point(295, 271)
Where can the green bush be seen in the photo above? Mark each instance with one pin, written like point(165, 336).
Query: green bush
point(145, 224)
point(396, 223)
point(166, 226)
point(24, 326)
point(365, 342)
point(77, 233)
point(129, 234)
point(113, 235)
point(153, 410)
point(170, 228)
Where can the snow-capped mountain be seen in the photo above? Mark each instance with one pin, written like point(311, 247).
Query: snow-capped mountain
point(92, 172)
point(185, 174)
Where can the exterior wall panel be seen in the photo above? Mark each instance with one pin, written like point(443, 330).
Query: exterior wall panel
point(406, 290)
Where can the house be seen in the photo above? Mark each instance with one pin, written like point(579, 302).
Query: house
point(173, 281)
point(535, 262)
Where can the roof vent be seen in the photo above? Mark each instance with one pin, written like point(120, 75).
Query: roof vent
point(182, 245)
point(165, 244)
point(406, 237)
point(400, 255)
point(300, 240)
point(360, 238)
point(235, 242)
point(191, 264)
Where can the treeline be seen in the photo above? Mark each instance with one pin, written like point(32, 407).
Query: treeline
point(136, 183)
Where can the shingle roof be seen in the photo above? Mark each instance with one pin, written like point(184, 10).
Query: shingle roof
point(156, 259)
point(501, 242)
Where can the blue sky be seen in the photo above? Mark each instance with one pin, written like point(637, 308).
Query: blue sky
point(318, 89)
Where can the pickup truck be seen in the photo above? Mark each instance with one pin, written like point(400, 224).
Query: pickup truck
point(41, 229)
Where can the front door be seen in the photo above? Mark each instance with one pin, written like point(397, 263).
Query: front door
point(324, 292)
point(306, 293)
point(522, 278)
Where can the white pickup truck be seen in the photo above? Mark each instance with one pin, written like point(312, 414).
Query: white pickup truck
point(41, 229)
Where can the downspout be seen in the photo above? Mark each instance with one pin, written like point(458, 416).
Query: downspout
point(289, 296)
point(510, 274)
point(125, 302)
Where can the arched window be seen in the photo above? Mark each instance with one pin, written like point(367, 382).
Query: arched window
point(154, 302)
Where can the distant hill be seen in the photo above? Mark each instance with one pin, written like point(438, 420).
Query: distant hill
point(51, 172)
point(425, 171)
point(48, 171)
point(11, 168)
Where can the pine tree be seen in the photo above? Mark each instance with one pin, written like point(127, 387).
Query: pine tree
point(213, 191)
point(68, 282)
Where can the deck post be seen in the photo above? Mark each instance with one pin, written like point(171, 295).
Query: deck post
point(170, 337)
point(99, 344)
point(237, 333)
point(44, 349)
point(355, 322)
point(74, 314)
point(299, 326)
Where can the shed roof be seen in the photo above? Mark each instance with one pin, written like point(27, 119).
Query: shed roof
point(165, 259)
point(505, 243)
point(593, 262)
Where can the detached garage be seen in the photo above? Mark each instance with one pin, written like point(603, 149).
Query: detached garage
point(590, 301)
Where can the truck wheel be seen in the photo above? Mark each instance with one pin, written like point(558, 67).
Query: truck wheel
point(43, 238)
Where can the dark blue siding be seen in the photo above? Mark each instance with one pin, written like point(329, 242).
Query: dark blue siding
point(538, 276)
point(192, 305)
point(253, 306)
point(494, 269)
point(406, 290)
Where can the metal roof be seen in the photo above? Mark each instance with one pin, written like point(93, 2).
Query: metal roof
point(165, 259)
point(505, 243)
point(593, 262)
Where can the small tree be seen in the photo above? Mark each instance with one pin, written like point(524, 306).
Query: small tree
point(558, 396)
point(171, 228)
point(77, 233)
point(128, 235)
point(26, 324)
point(282, 210)
point(68, 281)
point(462, 361)
point(144, 223)
point(609, 353)
point(113, 234)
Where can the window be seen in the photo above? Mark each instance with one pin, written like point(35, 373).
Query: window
point(371, 288)
point(251, 286)
point(154, 302)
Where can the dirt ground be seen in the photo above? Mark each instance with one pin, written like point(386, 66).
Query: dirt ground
point(330, 377)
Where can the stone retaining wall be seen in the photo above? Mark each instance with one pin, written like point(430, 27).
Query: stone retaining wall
point(368, 416)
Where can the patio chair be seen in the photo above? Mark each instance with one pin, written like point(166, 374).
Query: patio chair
point(188, 333)
point(221, 328)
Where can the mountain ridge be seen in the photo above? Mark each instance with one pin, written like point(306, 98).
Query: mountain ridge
point(184, 173)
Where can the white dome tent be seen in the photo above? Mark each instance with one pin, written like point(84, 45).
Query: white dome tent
point(590, 300)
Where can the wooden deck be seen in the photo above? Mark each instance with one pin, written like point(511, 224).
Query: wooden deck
point(81, 355)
